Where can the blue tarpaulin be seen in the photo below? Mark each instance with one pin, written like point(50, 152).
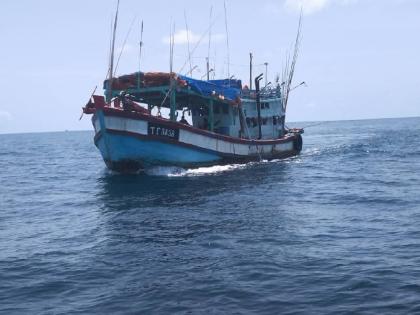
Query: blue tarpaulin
point(230, 89)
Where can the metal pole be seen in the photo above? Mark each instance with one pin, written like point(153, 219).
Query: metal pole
point(172, 101)
point(227, 41)
point(140, 46)
point(208, 49)
point(266, 71)
point(250, 70)
point(111, 66)
point(211, 116)
point(258, 100)
point(208, 69)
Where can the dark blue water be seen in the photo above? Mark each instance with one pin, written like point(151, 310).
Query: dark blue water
point(333, 231)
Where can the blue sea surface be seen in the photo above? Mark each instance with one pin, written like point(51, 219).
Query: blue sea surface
point(335, 230)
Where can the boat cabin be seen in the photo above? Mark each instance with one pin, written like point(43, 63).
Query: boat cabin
point(220, 106)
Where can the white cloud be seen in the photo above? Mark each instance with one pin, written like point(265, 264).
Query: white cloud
point(5, 116)
point(312, 6)
point(181, 37)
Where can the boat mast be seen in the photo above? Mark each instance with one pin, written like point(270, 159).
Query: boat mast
point(123, 45)
point(208, 50)
point(266, 72)
point(250, 71)
point(258, 100)
point(140, 47)
point(111, 64)
point(188, 42)
point(227, 41)
point(172, 92)
point(208, 68)
point(291, 70)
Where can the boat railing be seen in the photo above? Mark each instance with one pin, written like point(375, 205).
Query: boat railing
point(264, 93)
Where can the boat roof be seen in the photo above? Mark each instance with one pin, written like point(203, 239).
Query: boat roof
point(154, 88)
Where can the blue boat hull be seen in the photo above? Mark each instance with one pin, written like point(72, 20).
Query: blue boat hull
point(127, 153)
point(127, 146)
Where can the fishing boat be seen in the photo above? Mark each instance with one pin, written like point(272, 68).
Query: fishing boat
point(208, 122)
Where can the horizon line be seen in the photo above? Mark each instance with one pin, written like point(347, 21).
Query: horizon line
point(291, 122)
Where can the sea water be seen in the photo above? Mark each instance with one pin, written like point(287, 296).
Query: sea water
point(334, 230)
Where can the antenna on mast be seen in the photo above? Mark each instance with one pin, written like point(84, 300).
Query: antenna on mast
point(227, 40)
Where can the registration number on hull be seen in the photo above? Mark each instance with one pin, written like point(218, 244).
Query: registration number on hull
point(162, 131)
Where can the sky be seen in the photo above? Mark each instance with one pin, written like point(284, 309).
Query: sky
point(359, 58)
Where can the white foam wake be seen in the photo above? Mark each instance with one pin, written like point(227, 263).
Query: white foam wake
point(173, 171)
point(170, 171)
